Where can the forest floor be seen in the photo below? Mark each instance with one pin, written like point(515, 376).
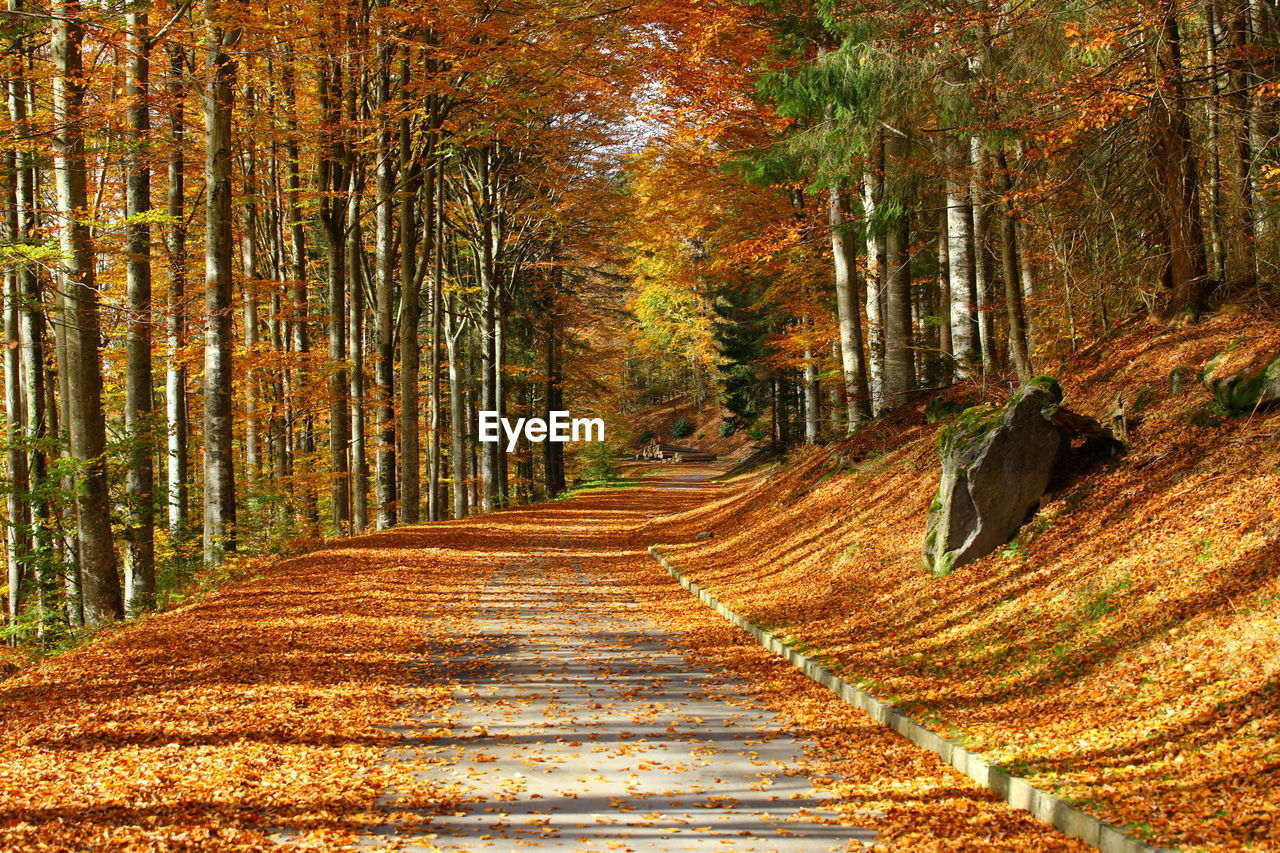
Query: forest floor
point(533, 676)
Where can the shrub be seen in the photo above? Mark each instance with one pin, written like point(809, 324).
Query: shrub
point(727, 429)
point(647, 436)
point(599, 462)
point(681, 428)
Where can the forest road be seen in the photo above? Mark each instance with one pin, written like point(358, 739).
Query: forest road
point(579, 724)
point(580, 719)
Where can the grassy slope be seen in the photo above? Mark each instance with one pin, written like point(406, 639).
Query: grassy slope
point(1124, 651)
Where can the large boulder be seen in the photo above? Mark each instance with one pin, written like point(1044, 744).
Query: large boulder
point(996, 465)
point(1242, 382)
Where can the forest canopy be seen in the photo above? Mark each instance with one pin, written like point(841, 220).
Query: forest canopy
point(264, 263)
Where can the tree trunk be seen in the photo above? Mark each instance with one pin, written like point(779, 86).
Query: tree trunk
point(852, 360)
point(943, 309)
point(219, 450)
point(101, 593)
point(175, 381)
point(17, 526)
point(411, 258)
point(434, 512)
point(355, 348)
point(982, 273)
point(812, 392)
point(899, 364)
point(457, 405)
point(139, 532)
point(1018, 345)
point(301, 310)
point(334, 178)
point(488, 338)
point(1174, 161)
point(383, 313)
point(249, 274)
point(31, 324)
point(872, 190)
point(1243, 261)
point(553, 399)
point(960, 253)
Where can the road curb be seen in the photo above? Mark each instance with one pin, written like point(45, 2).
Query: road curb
point(1014, 790)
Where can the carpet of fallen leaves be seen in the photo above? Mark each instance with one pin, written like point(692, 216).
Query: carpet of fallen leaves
point(256, 717)
point(1123, 651)
point(269, 715)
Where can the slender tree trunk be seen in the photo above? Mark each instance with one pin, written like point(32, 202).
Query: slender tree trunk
point(410, 316)
point(488, 337)
point(960, 251)
point(982, 273)
point(101, 592)
point(852, 360)
point(872, 191)
point(306, 442)
point(1018, 345)
point(17, 527)
point(1213, 119)
point(219, 450)
point(1243, 260)
point(139, 534)
point(334, 178)
point(457, 409)
point(355, 345)
point(899, 368)
point(383, 313)
point(943, 308)
point(812, 393)
point(1174, 162)
point(437, 315)
point(31, 324)
point(553, 400)
point(175, 382)
point(252, 329)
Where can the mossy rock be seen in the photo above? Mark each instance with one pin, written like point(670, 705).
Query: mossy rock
point(996, 465)
point(939, 409)
point(1243, 386)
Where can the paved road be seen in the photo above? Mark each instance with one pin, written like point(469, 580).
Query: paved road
point(580, 729)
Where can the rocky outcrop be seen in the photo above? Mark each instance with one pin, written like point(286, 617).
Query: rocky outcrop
point(996, 465)
point(1242, 384)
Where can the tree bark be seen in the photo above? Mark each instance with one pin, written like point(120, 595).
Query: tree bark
point(872, 191)
point(982, 273)
point(219, 450)
point(852, 359)
point(31, 323)
point(101, 592)
point(1018, 346)
point(457, 408)
point(175, 382)
point(812, 393)
point(899, 363)
point(434, 512)
point(383, 311)
point(1174, 162)
point(139, 533)
point(17, 525)
point(335, 178)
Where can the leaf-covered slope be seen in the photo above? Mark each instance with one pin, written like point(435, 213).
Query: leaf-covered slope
point(1123, 649)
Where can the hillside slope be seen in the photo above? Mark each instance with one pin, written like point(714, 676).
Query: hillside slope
point(705, 420)
point(1124, 650)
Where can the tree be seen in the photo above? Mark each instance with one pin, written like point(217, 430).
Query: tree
point(102, 599)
